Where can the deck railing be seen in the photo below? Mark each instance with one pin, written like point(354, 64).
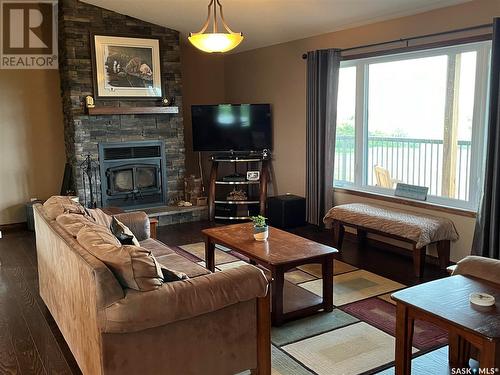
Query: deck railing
point(410, 160)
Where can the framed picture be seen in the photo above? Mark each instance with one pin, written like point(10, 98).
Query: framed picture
point(126, 67)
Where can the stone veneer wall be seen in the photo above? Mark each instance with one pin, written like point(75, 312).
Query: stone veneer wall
point(83, 133)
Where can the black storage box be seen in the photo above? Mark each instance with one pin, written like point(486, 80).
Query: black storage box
point(286, 211)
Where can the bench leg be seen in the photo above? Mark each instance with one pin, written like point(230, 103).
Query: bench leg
point(419, 260)
point(443, 249)
point(361, 238)
point(338, 234)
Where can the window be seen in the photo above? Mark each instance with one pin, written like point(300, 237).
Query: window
point(417, 118)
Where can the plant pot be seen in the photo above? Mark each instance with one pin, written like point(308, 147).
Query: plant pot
point(260, 233)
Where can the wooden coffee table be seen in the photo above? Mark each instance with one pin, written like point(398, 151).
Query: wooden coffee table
point(280, 253)
point(445, 303)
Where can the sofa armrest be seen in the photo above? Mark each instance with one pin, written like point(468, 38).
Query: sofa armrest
point(180, 300)
point(480, 267)
point(137, 222)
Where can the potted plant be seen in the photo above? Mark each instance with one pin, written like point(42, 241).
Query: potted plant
point(260, 228)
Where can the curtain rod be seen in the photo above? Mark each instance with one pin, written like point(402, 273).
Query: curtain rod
point(304, 56)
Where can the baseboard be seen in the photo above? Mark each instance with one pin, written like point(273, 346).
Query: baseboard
point(392, 248)
point(14, 227)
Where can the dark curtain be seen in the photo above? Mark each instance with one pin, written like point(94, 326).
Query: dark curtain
point(487, 233)
point(322, 89)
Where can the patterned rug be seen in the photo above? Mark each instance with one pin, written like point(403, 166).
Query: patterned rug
point(356, 338)
point(382, 315)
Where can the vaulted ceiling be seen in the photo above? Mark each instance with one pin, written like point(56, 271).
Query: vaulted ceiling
point(268, 22)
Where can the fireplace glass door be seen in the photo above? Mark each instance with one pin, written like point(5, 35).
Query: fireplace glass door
point(133, 179)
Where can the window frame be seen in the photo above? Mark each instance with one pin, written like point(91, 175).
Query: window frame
point(479, 120)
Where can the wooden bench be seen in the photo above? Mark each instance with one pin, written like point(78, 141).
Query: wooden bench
point(416, 229)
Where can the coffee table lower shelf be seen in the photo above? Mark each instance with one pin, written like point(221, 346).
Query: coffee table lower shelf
point(298, 302)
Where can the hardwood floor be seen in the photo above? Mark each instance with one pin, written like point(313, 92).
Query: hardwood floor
point(31, 343)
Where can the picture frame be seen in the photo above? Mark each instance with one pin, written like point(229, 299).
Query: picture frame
point(126, 67)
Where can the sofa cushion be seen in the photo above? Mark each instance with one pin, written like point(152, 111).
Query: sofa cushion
point(184, 299)
point(95, 236)
point(123, 233)
point(100, 217)
point(58, 205)
point(134, 267)
point(179, 263)
point(73, 223)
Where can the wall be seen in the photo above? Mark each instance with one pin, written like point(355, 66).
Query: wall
point(202, 83)
point(31, 140)
point(277, 75)
point(83, 133)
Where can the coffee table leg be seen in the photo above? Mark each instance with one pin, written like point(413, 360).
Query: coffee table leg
point(404, 339)
point(277, 297)
point(458, 350)
point(327, 271)
point(210, 254)
point(489, 357)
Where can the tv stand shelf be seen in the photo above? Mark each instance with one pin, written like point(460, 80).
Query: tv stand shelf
point(237, 182)
point(237, 202)
point(238, 206)
point(236, 159)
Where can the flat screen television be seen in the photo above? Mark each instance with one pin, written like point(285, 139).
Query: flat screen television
point(232, 127)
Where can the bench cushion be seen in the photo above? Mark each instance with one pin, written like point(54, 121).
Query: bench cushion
point(418, 228)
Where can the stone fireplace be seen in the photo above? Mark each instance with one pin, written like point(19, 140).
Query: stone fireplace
point(161, 180)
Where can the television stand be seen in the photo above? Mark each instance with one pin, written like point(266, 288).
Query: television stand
point(242, 156)
point(221, 208)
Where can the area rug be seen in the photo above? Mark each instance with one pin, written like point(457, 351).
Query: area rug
point(382, 315)
point(354, 286)
point(354, 349)
point(356, 338)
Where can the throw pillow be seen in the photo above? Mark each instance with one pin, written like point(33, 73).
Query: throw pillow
point(123, 233)
point(58, 205)
point(134, 267)
point(100, 217)
point(72, 223)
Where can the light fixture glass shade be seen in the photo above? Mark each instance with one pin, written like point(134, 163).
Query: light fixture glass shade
point(216, 42)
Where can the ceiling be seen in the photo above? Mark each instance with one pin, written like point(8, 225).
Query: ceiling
point(268, 22)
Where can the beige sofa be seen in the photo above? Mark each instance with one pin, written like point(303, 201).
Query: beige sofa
point(212, 323)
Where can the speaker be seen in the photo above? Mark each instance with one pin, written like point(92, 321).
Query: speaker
point(286, 211)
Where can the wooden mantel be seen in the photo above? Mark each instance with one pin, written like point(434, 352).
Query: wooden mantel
point(132, 110)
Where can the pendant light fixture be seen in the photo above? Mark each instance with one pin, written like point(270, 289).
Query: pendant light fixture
point(215, 41)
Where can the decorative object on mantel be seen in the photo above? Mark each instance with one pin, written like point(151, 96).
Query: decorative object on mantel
point(126, 67)
point(237, 195)
point(215, 41)
point(89, 102)
point(89, 169)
